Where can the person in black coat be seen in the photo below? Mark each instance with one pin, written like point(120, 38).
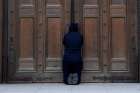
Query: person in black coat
point(72, 59)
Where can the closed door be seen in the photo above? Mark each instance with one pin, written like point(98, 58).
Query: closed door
point(37, 27)
point(109, 29)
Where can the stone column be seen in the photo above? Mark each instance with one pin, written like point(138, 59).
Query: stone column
point(1, 14)
point(138, 33)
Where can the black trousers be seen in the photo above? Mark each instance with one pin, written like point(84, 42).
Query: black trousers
point(69, 68)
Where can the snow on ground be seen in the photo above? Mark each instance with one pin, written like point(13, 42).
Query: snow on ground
point(62, 88)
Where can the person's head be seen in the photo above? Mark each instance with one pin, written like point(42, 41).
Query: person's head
point(73, 27)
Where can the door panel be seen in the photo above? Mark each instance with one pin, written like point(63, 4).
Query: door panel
point(118, 1)
point(54, 34)
point(119, 49)
point(55, 18)
point(54, 38)
point(122, 63)
point(119, 33)
point(91, 32)
point(25, 35)
point(22, 42)
point(91, 58)
point(26, 57)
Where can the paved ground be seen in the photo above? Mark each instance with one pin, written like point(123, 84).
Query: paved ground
point(61, 88)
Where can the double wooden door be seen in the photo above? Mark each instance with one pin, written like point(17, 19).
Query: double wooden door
point(37, 27)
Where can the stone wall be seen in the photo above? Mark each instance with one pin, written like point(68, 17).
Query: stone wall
point(1, 19)
point(138, 25)
point(138, 10)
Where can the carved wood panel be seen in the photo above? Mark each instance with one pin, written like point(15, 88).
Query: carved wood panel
point(119, 35)
point(91, 29)
point(26, 35)
point(55, 22)
point(91, 35)
point(122, 22)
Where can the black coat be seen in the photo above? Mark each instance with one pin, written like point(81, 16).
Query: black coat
point(73, 42)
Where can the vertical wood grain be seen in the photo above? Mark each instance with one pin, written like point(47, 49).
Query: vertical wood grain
point(54, 38)
point(26, 38)
point(118, 38)
point(90, 38)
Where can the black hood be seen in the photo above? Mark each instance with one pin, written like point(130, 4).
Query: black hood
point(73, 27)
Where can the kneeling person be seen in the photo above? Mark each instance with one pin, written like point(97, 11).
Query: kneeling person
point(72, 59)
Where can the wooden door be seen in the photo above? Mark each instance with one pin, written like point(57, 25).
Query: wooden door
point(36, 29)
point(109, 30)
